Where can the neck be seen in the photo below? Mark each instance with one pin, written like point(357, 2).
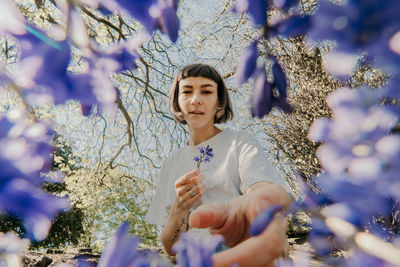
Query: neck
point(198, 136)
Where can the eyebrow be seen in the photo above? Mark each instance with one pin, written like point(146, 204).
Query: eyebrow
point(202, 86)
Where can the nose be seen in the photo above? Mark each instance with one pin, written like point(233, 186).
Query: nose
point(196, 99)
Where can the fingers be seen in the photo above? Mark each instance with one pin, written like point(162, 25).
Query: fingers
point(211, 215)
point(193, 185)
point(285, 252)
point(187, 178)
point(194, 195)
point(189, 189)
point(260, 250)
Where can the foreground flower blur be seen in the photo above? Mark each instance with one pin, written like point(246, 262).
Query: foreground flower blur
point(194, 251)
point(359, 152)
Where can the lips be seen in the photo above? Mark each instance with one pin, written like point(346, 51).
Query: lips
point(196, 112)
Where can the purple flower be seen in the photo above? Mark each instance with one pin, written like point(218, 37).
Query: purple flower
point(284, 4)
point(358, 25)
point(256, 8)
point(279, 78)
point(354, 25)
point(11, 19)
point(321, 238)
point(45, 62)
point(50, 70)
point(193, 251)
point(168, 21)
point(293, 26)
point(21, 198)
point(362, 259)
point(247, 64)
point(261, 99)
point(25, 149)
point(122, 250)
point(206, 153)
point(155, 14)
point(263, 219)
point(55, 57)
point(365, 200)
point(311, 199)
point(392, 89)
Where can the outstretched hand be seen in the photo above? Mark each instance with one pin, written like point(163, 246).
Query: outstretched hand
point(233, 220)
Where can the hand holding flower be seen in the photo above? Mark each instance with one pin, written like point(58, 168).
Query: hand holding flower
point(189, 189)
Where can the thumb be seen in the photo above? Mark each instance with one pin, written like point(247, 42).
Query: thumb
point(211, 215)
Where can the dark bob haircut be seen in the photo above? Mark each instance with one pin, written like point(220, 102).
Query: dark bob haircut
point(224, 110)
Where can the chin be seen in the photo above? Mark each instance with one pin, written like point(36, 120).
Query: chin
point(198, 124)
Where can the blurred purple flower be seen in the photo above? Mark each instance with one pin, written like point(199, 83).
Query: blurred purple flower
point(124, 53)
point(321, 238)
point(50, 70)
point(25, 149)
point(279, 78)
point(155, 14)
point(21, 198)
point(284, 4)
point(122, 250)
point(168, 21)
point(263, 99)
point(361, 162)
point(350, 137)
point(194, 251)
point(247, 64)
point(392, 90)
point(347, 213)
point(293, 26)
point(256, 8)
point(54, 58)
point(25, 153)
point(364, 200)
point(11, 19)
point(356, 25)
point(263, 219)
point(46, 64)
point(362, 259)
point(319, 130)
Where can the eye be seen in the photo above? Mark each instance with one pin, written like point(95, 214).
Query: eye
point(185, 92)
point(207, 92)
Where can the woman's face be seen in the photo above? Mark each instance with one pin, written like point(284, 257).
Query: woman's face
point(198, 101)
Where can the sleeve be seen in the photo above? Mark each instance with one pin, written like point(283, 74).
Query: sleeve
point(161, 203)
point(254, 165)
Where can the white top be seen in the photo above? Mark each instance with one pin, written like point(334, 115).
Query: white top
point(238, 162)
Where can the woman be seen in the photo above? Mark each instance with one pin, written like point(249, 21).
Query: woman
point(199, 99)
